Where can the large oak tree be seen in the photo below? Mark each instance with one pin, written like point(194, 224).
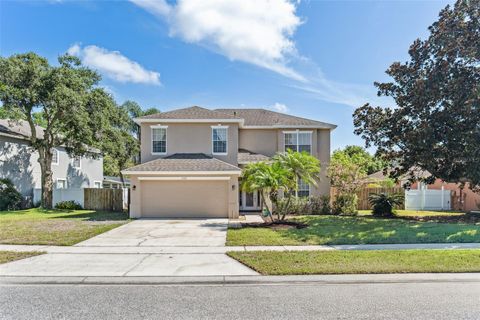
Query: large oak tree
point(435, 125)
point(74, 110)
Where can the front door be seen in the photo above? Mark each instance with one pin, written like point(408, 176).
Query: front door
point(250, 201)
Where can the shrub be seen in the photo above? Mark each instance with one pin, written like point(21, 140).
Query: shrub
point(68, 205)
point(345, 204)
point(10, 198)
point(320, 205)
point(383, 203)
point(295, 206)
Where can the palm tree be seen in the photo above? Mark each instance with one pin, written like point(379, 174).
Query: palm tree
point(268, 179)
point(301, 165)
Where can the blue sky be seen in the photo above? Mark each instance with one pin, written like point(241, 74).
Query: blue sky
point(316, 59)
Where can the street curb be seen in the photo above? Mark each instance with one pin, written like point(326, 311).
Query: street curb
point(247, 280)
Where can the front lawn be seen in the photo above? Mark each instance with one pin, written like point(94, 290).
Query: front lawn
point(355, 230)
point(55, 227)
point(354, 262)
point(8, 256)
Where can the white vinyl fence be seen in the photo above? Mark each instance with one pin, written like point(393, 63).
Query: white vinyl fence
point(428, 200)
point(59, 195)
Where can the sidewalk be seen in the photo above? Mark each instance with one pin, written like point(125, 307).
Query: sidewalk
point(217, 250)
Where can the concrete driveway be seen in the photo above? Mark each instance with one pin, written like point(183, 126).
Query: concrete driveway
point(195, 248)
point(164, 233)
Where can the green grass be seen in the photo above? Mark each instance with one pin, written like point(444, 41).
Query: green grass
point(355, 262)
point(55, 227)
point(8, 256)
point(414, 213)
point(356, 230)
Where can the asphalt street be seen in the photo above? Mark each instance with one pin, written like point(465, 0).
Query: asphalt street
point(438, 300)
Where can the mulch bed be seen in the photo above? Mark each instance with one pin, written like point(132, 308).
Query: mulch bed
point(277, 225)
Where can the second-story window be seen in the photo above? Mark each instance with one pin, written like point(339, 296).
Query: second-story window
point(159, 140)
point(76, 162)
point(55, 156)
point(219, 140)
point(298, 141)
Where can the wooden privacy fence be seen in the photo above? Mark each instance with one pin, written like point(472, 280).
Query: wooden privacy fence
point(103, 199)
point(363, 203)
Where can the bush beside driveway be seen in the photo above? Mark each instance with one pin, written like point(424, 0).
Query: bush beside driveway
point(56, 227)
point(356, 230)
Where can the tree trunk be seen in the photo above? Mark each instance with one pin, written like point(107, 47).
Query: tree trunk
point(45, 160)
point(266, 206)
point(122, 179)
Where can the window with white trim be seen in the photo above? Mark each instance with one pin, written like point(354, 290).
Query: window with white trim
point(55, 156)
point(159, 140)
point(298, 141)
point(303, 189)
point(76, 162)
point(219, 140)
point(97, 184)
point(61, 184)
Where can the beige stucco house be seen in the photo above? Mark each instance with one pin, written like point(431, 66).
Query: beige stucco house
point(192, 159)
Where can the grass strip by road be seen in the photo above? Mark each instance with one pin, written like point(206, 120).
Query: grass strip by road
point(358, 262)
point(356, 230)
point(55, 227)
point(8, 256)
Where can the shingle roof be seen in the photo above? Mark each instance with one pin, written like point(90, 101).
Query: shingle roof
point(194, 112)
point(250, 117)
point(262, 117)
point(245, 156)
point(19, 128)
point(184, 162)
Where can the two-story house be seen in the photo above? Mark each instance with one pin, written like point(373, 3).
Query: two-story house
point(192, 159)
point(19, 162)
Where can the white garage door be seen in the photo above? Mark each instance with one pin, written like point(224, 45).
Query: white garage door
point(184, 199)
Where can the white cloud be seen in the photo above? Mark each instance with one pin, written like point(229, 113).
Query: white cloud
point(254, 31)
point(114, 65)
point(280, 107)
point(258, 32)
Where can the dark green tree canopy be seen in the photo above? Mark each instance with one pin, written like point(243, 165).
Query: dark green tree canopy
point(435, 125)
point(65, 99)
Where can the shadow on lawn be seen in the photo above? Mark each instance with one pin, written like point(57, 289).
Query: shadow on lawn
point(359, 230)
point(95, 216)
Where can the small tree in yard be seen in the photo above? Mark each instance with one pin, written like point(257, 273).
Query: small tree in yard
point(347, 177)
point(280, 177)
point(75, 111)
point(268, 179)
point(301, 165)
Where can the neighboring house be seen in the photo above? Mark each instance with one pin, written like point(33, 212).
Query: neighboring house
point(463, 199)
point(110, 182)
point(18, 162)
point(192, 159)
